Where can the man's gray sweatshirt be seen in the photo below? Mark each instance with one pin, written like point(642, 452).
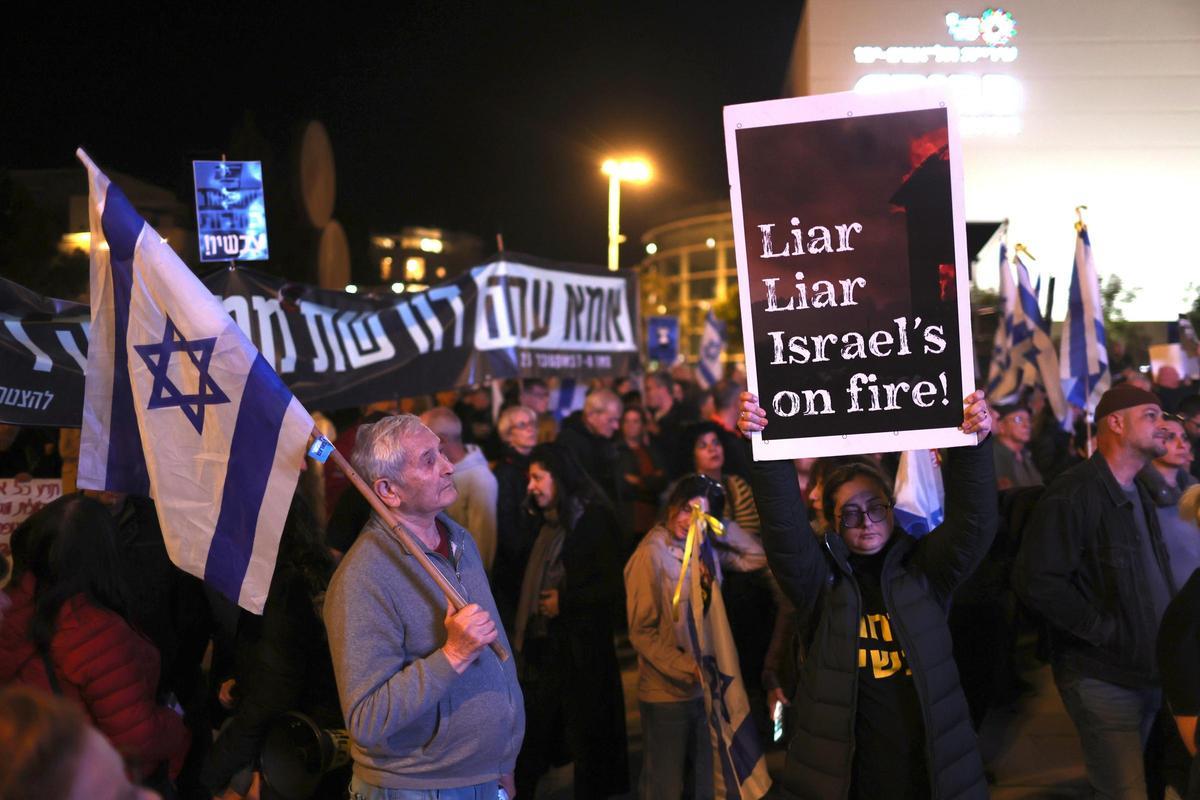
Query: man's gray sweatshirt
point(414, 722)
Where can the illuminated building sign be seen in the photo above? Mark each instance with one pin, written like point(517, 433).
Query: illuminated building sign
point(988, 104)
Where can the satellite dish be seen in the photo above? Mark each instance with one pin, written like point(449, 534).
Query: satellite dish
point(333, 257)
point(318, 178)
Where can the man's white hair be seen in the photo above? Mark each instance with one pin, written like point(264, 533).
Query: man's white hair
point(379, 447)
point(601, 400)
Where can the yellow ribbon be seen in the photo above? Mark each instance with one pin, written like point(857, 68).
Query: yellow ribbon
point(701, 520)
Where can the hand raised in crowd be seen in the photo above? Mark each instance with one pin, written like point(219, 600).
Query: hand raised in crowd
point(752, 419)
point(468, 631)
point(548, 603)
point(976, 417)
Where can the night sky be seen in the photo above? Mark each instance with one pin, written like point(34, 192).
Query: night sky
point(481, 118)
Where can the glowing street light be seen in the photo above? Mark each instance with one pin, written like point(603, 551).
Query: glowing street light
point(630, 170)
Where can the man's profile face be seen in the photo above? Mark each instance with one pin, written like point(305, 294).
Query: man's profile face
point(1143, 430)
point(425, 483)
point(604, 421)
point(657, 396)
point(1017, 426)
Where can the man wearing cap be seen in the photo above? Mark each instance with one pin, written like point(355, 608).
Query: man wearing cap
point(1014, 462)
point(1093, 563)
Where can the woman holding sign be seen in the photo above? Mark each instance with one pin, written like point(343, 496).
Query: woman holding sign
point(879, 709)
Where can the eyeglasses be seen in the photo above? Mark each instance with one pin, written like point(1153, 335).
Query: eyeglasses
point(853, 516)
point(522, 425)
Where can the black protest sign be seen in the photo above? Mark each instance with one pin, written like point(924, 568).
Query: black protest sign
point(852, 270)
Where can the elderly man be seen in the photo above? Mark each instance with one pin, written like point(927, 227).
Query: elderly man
point(1093, 563)
point(432, 713)
point(475, 508)
point(1014, 462)
point(588, 434)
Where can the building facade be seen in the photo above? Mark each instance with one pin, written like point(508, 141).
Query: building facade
point(689, 266)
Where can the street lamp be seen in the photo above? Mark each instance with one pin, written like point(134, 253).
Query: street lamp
point(630, 170)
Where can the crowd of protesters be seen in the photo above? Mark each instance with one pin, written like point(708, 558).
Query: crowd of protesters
point(1075, 540)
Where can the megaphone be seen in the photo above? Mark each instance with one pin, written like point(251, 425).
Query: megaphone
point(298, 752)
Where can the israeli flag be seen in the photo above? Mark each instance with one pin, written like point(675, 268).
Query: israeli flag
point(920, 492)
point(1083, 352)
point(712, 345)
point(1038, 352)
point(179, 406)
point(1000, 382)
point(567, 398)
point(739, 765)
point(1023, 355)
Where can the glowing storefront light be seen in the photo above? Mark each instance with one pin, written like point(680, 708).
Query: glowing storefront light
point(988, 104)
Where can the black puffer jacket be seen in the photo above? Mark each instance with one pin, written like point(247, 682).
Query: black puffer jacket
point(918, 581)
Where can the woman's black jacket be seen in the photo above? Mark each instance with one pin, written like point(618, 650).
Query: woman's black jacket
point(918, 581)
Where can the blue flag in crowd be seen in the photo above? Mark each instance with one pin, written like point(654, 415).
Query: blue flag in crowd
point(1000, 379)
point(1038, 350)
point(712, 345)
point(1023, 355)
point(920, 493)
point(1083, 354)
point(739, 763)
point(179, 406)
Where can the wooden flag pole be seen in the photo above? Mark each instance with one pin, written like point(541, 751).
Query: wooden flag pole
point(405, 538)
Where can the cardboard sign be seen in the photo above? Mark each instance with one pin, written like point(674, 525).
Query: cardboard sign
point(18, 501)
point(852, 268)
point(662, 340)
point(231, 212)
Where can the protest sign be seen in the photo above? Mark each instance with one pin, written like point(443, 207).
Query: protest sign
point(231, 212)
point(662, 340)
point(852, 269)
point(18, 501)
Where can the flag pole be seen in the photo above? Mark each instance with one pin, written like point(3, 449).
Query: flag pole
point(405, 538)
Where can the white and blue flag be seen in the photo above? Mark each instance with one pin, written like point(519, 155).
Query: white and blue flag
point(920, 492)
point(739, 763)
point(1000, 379)
point(1023, 355)
point(180, 406)
point(712, 345)
point(1083, 355)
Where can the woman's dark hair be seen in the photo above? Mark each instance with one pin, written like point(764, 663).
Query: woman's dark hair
point(302, 547)
point(695, 485)
point(70, 546)
point(573, 488)
point(692, 434)
point(846, 473)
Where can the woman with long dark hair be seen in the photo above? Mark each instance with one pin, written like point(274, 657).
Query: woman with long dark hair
point(570, 595)
point(68, 632)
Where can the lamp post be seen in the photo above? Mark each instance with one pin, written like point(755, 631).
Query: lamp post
point(630, 170)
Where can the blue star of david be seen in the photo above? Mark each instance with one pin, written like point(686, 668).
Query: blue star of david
point(719, 684)
point(712, 351)
point(164, 393)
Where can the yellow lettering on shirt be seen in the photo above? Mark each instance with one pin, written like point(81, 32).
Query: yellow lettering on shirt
point(876, 629)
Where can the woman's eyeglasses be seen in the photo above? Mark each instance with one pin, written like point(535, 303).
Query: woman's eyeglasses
point(853, 516)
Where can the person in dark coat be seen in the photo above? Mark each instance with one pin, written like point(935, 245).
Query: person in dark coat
point(515, 529)
point(879, 709)
point(570, 596)
point(641, 475)
point(283, 661)
point(668, 418)
point(588, 434)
